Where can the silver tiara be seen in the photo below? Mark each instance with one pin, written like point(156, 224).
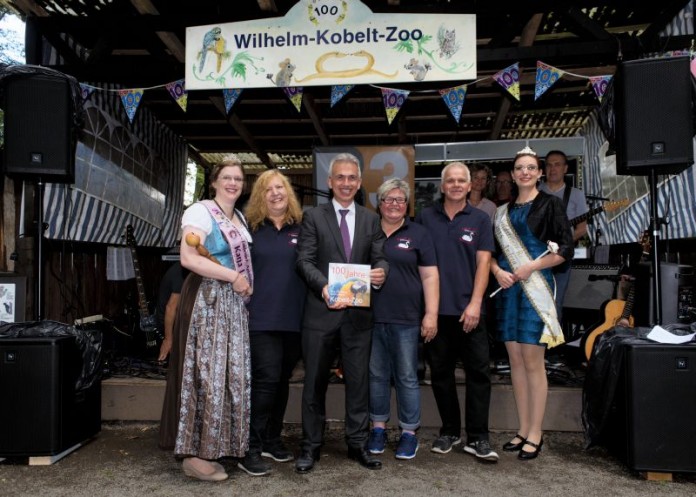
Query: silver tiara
point(527, 151)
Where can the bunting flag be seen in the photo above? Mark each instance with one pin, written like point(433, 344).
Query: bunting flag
point(177, 89)
point(86, 91)
point(231, 96)
point(294, 93)
point(509, 78)
point(393, 101)
point(599, 85)
point(338, 92)
point(454, 98)
point(546, 77)
point(131, 100)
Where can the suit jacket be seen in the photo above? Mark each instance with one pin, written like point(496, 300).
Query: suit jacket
point(319, 244)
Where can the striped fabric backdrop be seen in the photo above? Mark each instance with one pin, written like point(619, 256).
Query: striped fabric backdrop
point(81, 213)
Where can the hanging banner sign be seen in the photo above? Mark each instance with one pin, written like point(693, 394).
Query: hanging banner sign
point(331, 42)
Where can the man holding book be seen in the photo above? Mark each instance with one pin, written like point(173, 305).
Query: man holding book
point(339, 231)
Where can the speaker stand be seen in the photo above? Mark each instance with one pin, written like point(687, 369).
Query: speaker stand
point(38, 287)
point(655, 224)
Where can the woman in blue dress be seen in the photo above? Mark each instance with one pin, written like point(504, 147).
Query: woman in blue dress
point(533, 235)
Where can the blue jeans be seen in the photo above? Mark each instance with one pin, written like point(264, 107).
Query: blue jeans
point(395, 355)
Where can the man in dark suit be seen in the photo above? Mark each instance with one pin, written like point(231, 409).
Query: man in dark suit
point(326, 323)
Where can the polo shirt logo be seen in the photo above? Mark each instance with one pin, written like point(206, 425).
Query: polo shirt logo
point(468, 235)
point(404, 243)
point(293, 238)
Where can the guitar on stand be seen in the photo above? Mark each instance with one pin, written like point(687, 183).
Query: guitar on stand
point(607, 207)
point(147, 321)
point(616, 310)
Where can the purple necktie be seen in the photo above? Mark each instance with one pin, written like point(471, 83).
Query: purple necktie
point(345, 234)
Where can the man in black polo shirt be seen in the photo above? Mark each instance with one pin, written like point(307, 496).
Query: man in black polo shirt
point(463, 238)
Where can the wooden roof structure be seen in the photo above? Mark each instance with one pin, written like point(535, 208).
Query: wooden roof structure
point(140, 43)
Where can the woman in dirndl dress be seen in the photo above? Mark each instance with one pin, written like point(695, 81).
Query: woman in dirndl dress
point(216, 369)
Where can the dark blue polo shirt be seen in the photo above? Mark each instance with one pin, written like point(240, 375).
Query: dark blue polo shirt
point(456, 244)
point(400, 300)
point(279, 292)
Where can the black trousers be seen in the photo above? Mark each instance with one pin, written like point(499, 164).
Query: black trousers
point(318, 350)
point(274, 355)
point(450, 344)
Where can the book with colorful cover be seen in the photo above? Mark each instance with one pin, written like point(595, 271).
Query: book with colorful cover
point(349, 284)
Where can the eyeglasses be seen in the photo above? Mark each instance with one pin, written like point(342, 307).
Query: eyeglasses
point(394, 200)
point(531, 168)
point(230, 179)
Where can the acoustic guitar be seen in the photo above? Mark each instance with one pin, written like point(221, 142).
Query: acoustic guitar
point(615, 310)
point(607, 206)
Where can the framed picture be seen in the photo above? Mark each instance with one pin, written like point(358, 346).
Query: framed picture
point(426, 193)
point(12, 298)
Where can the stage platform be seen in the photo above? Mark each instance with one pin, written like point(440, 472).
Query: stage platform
point(140, 399)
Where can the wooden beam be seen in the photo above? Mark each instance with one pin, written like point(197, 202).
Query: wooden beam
point(243, 132)
point(311, 108)
point(268, 5)
point(583, 26)
point(170, 40)
point(528, 34)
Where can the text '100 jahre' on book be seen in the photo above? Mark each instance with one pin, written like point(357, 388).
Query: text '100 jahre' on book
point(349, 284)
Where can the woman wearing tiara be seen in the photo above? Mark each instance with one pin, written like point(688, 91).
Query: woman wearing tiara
point(533, 234)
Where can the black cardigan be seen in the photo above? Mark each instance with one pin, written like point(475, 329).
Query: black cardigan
point(548, 221)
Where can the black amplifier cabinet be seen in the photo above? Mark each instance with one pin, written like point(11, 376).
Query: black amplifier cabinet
point(42, 414)
point(590, 286)
point(652, 425)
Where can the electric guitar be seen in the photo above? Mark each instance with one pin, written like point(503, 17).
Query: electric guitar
point(147, 320)
point(615, 310)
point(607, 206)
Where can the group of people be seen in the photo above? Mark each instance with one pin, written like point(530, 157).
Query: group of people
point(257, 299)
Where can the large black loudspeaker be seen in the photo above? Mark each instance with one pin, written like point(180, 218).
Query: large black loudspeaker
point(42, 413)
point(39, 135)
point(654, 116)
point(656, 407)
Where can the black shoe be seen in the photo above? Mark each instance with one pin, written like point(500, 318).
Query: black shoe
point(278, 453)
point(254, 465)
point(525, 456)
point(514, 447)
point(364, 458)
point(305, 463)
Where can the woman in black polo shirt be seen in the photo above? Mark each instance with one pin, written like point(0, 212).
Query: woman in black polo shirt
point(275, 315)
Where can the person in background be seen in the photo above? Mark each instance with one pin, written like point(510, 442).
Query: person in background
point(322, 241)
point(215, 383)
point(167, 305)
point(575, 205)
point(275, 315)
point(404, 310)
point(463, 240)
point(526, 316)
point(503, 188)
point(480, 179)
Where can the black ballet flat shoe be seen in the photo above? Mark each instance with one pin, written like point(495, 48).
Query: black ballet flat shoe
point(514, 447)
point(525, 456)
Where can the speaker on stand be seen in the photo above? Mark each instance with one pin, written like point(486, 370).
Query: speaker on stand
point(654, 131)
point(41, 118)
